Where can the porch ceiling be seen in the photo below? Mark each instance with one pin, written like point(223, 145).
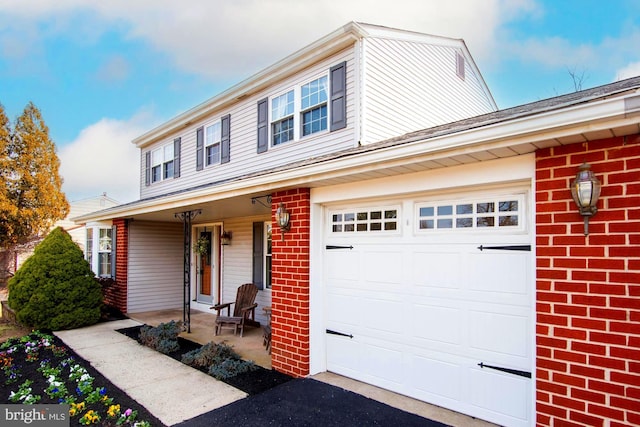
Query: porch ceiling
point(212, 211)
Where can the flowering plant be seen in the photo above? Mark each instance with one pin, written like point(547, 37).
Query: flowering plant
point(90, 417)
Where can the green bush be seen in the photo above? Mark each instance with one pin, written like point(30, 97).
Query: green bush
point(220, 359)
point(209, 354)
point(162, 338)
point(55, 288)
point(230, 368)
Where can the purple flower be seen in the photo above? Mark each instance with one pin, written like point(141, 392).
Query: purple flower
point(127, 412)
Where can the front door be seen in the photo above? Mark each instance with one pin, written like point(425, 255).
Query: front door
point(206, 273)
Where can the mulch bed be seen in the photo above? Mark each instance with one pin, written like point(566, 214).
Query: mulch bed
point(252, 382)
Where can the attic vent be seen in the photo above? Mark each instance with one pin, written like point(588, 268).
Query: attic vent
point(460, 65)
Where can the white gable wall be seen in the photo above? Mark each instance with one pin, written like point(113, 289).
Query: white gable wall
point(411, 85)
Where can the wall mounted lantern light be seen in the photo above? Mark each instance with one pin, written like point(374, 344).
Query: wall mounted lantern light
point(282, 218)
point(225, 238)
point(585, 190)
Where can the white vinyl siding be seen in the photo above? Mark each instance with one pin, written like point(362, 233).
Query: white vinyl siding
point(238, 258)
point(155, 273)
point(412, 86)
point(244, 158)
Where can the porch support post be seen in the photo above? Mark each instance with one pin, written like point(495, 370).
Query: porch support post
point(186, 218)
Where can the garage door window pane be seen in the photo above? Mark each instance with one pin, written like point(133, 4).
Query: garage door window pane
point(445, 210)
point(508, 221)
point(445, 223)
point(464, 222)
point(509, 206)
point(426, 224)
point(428, 211)
point(464, 209)
point(484, 207)
point(485, 222)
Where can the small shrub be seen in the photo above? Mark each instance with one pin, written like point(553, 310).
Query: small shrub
point(230, 368)
point(209, 354)
point(162, 338)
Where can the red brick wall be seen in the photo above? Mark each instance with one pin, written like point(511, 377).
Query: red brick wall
point(588, 288)
point(290, 285)
point(116, 295)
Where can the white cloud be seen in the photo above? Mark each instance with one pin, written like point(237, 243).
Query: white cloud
point(631, 70)
point(103, 159)
point(231, 40)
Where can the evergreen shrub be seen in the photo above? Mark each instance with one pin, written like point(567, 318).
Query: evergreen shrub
point(55, 288)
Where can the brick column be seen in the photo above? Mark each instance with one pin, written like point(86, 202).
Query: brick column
point(290, 285)
point(588, 288)
point(117, 295)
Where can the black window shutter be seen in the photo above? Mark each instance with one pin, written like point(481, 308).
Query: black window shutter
point(258, 254)
point(338, 96)
point(225, 149)
point(263, 125)
point(114, 229)
point(176, 157)
point(199, 148)
point(147, 168)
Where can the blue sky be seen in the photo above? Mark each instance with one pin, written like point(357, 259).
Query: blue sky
point(105, 72)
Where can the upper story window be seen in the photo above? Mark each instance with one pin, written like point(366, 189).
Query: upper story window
point(282, 126)
point(299, 112)
point(314, 106)
point(163, 162)
point(213, 137)
point(213, 143)
point(313, 100)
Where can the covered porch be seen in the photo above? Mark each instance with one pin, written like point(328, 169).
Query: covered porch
point(249, 347)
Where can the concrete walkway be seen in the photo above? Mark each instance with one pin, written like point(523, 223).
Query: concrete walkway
point(149, 377)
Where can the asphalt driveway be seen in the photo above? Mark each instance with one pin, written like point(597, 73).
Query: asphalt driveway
point(308, 402)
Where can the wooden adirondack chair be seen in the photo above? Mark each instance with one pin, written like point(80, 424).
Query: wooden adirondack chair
point(243, 311)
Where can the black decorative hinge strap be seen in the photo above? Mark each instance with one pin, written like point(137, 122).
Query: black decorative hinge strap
point(329, 331)
point(507, 370)
point(507, 248)
point(338, 247)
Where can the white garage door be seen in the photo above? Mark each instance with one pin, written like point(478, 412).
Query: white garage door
point(434, 300)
